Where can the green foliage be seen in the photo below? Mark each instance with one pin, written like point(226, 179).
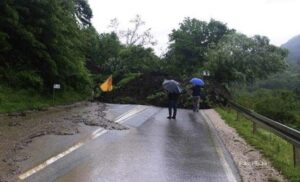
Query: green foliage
point(289, 80)
point(285, 102)
point(128, 100)
point(228, 55)
point(137, 58)
point(90, 43)
point(83, 12)
point(156, 95)
point(114, 58)
point(109, 47)
point(273, 147)
point(127, 78)
point(29, 79)
point(131, 59)
point(190, 43)
point(47, 42)
point(157, 98)
point(15, 100)
point(43, 38)
point(280, 105)
point(239, 58)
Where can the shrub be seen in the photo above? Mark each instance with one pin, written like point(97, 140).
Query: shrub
point(157, 98)
point(127, 78)
point(29, 79)
point(280, 105)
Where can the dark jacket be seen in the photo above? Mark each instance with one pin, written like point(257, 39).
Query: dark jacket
point(196, 90)
point(173, 96)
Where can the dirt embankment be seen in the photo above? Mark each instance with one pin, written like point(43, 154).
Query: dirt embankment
point(19, 129)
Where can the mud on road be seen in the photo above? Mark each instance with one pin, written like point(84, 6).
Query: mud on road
point(18, 130)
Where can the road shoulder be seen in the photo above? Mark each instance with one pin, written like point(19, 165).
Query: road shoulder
point(251, 164)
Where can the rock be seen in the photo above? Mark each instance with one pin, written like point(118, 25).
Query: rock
point(14, 171)
point(20, 158)
point(66, 132)
point(236, 140)
point(42, 133)
point(2, 180)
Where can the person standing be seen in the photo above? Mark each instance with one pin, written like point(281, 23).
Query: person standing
point(172, 104)
point(196, 97)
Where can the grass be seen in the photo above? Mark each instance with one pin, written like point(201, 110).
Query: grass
point(277, 150)
point(12, 100)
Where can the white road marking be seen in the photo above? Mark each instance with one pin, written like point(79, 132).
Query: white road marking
point(224, 163)
point(49, 161)
point(122, 118)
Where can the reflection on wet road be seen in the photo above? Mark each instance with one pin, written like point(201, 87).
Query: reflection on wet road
point(153, 149)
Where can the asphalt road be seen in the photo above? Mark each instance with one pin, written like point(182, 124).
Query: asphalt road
point(154, 148)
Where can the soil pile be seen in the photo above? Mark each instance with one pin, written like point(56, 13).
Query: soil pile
point(147, 89)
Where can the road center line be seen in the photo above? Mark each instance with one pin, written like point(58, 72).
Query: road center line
point(122, 118)
point(127, 116)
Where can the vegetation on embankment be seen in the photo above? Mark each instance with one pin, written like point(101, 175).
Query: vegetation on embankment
point(277, 150)
point(16, 100)
point(280, 105)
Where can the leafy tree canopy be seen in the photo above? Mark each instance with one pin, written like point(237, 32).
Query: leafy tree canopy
point(83, 12)
point(43, 44)
point(228, 55)
point(239, 58)
point(189, 43)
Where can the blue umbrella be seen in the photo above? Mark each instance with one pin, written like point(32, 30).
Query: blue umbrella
point(197, 81)
point(172, 86)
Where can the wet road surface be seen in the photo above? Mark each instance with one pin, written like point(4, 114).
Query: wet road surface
point(154, 148)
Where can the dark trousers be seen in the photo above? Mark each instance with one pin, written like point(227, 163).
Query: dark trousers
point(196, 103)
point(172, 105)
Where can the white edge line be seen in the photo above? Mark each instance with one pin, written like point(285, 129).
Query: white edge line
point(226, 167)
point(93, 136)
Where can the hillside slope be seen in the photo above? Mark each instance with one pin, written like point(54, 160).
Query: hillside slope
point(293, 45)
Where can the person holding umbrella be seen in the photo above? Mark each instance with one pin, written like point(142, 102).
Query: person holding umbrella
point(173, 88)
point(196, 92)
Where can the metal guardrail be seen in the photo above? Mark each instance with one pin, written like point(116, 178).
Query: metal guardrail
point(289, 134)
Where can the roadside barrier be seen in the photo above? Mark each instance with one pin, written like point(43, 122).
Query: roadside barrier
point(289, 134)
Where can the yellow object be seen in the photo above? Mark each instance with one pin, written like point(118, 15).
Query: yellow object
point(107, 85)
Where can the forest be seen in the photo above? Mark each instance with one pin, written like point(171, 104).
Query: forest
point(54, 42)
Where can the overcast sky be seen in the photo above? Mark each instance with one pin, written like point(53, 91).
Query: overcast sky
point(276, 19)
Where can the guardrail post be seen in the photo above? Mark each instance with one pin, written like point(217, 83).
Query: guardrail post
point(254, 127)
point(237, 116)
point(296, 151)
